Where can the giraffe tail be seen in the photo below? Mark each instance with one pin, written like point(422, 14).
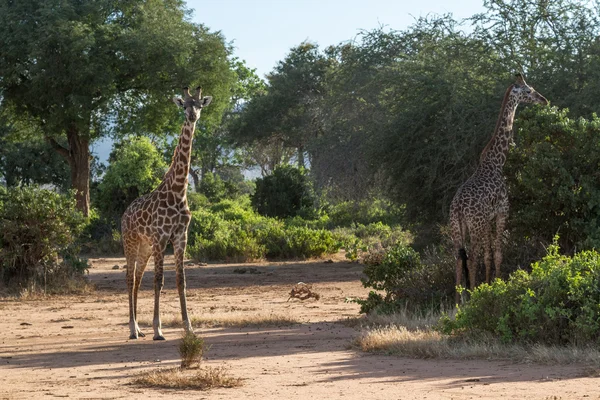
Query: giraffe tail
point(462, 253)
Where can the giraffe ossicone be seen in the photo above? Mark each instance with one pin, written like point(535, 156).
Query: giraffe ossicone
point(162, 216)
point(483, 198)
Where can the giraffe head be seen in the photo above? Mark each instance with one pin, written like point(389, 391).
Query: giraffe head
point(525, 93)
point(192, 105)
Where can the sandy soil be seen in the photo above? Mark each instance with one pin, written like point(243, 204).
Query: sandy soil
point(78, 346)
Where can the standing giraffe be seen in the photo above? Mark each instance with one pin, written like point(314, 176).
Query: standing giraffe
point(483, 197)
point(153, 220)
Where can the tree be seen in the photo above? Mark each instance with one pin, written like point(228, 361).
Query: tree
point(289, 108)
point(286, 193)
point(135, 168)
point(81, 69)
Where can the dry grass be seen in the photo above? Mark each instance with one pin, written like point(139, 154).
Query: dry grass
point(176, 378)
point(399, 340)
point(228, 320)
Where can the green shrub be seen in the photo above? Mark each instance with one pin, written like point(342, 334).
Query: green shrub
point(38, 226)
point(285, 193)
point(196, 200)
point(229, 244)
point(231, 231)
point(347, 213)
point(99, 236)
point(553, 180)
point(296, 242)
point(557, 303)
point(405, 280)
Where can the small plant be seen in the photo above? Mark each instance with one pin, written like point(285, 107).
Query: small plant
point(191, 349)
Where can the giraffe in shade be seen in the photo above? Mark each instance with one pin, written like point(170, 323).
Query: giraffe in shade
point(153, 220)
point(483, 198)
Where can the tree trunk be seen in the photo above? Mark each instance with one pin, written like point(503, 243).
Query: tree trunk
point(78, 157)
point(195, 179)
point(301, 161)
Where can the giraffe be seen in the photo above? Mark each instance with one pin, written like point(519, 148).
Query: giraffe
point(484, 197)
point(154, 219)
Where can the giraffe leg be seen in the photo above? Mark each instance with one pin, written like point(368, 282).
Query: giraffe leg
point(487, 255)
point(158, 250)
point(500, 224)
point(143, 254)
point(472, 262)
point(179, 244)
point(130, 255)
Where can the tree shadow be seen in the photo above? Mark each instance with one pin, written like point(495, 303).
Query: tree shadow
point(114, 358)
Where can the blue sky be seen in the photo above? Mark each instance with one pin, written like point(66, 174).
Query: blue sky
point(263, 31)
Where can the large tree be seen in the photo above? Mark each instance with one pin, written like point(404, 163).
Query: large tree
point(84, 69)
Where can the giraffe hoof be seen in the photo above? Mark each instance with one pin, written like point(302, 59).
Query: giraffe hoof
point(133, 336)
point(159, 337)
point(140, 334)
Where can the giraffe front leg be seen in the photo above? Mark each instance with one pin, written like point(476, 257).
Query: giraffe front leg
point(158, 251)
point(179, 245)
point(500, 225)
point(143, 254)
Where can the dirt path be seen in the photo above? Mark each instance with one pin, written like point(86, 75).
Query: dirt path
point(77, 346)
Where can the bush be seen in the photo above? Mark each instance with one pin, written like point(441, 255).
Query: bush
point(228, 244)
point(557, 303)
point(99, 236)
point(286, 193)
point(36, 227)
point(297, 242)
point(552, 175)
point(231, 231)
point(407, 282)
point(366, 212)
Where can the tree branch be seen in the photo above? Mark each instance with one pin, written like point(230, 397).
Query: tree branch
point(59, 149)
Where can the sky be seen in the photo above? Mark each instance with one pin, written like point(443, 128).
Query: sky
point(263, 31)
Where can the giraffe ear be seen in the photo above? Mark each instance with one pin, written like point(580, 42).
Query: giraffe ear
point(178, 101)
point(206, 101)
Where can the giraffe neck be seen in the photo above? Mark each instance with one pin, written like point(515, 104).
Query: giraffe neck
point(494, 154)
point(176, 178)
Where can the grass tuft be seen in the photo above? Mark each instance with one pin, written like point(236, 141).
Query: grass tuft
point(176, 378)
point(191, 349)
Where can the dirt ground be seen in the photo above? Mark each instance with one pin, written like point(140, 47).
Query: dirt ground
point(78, 346)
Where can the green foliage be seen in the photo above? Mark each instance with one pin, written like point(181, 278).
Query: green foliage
point(84, 70)
point(557, 303)
point(135, 168)
point(37, 227)
point(405, 280)
point(553, 179)
point(213, 187)
point(297, 242)
point(285, 193)
point(232, 231)
point(374, 210)
point(99, 236)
